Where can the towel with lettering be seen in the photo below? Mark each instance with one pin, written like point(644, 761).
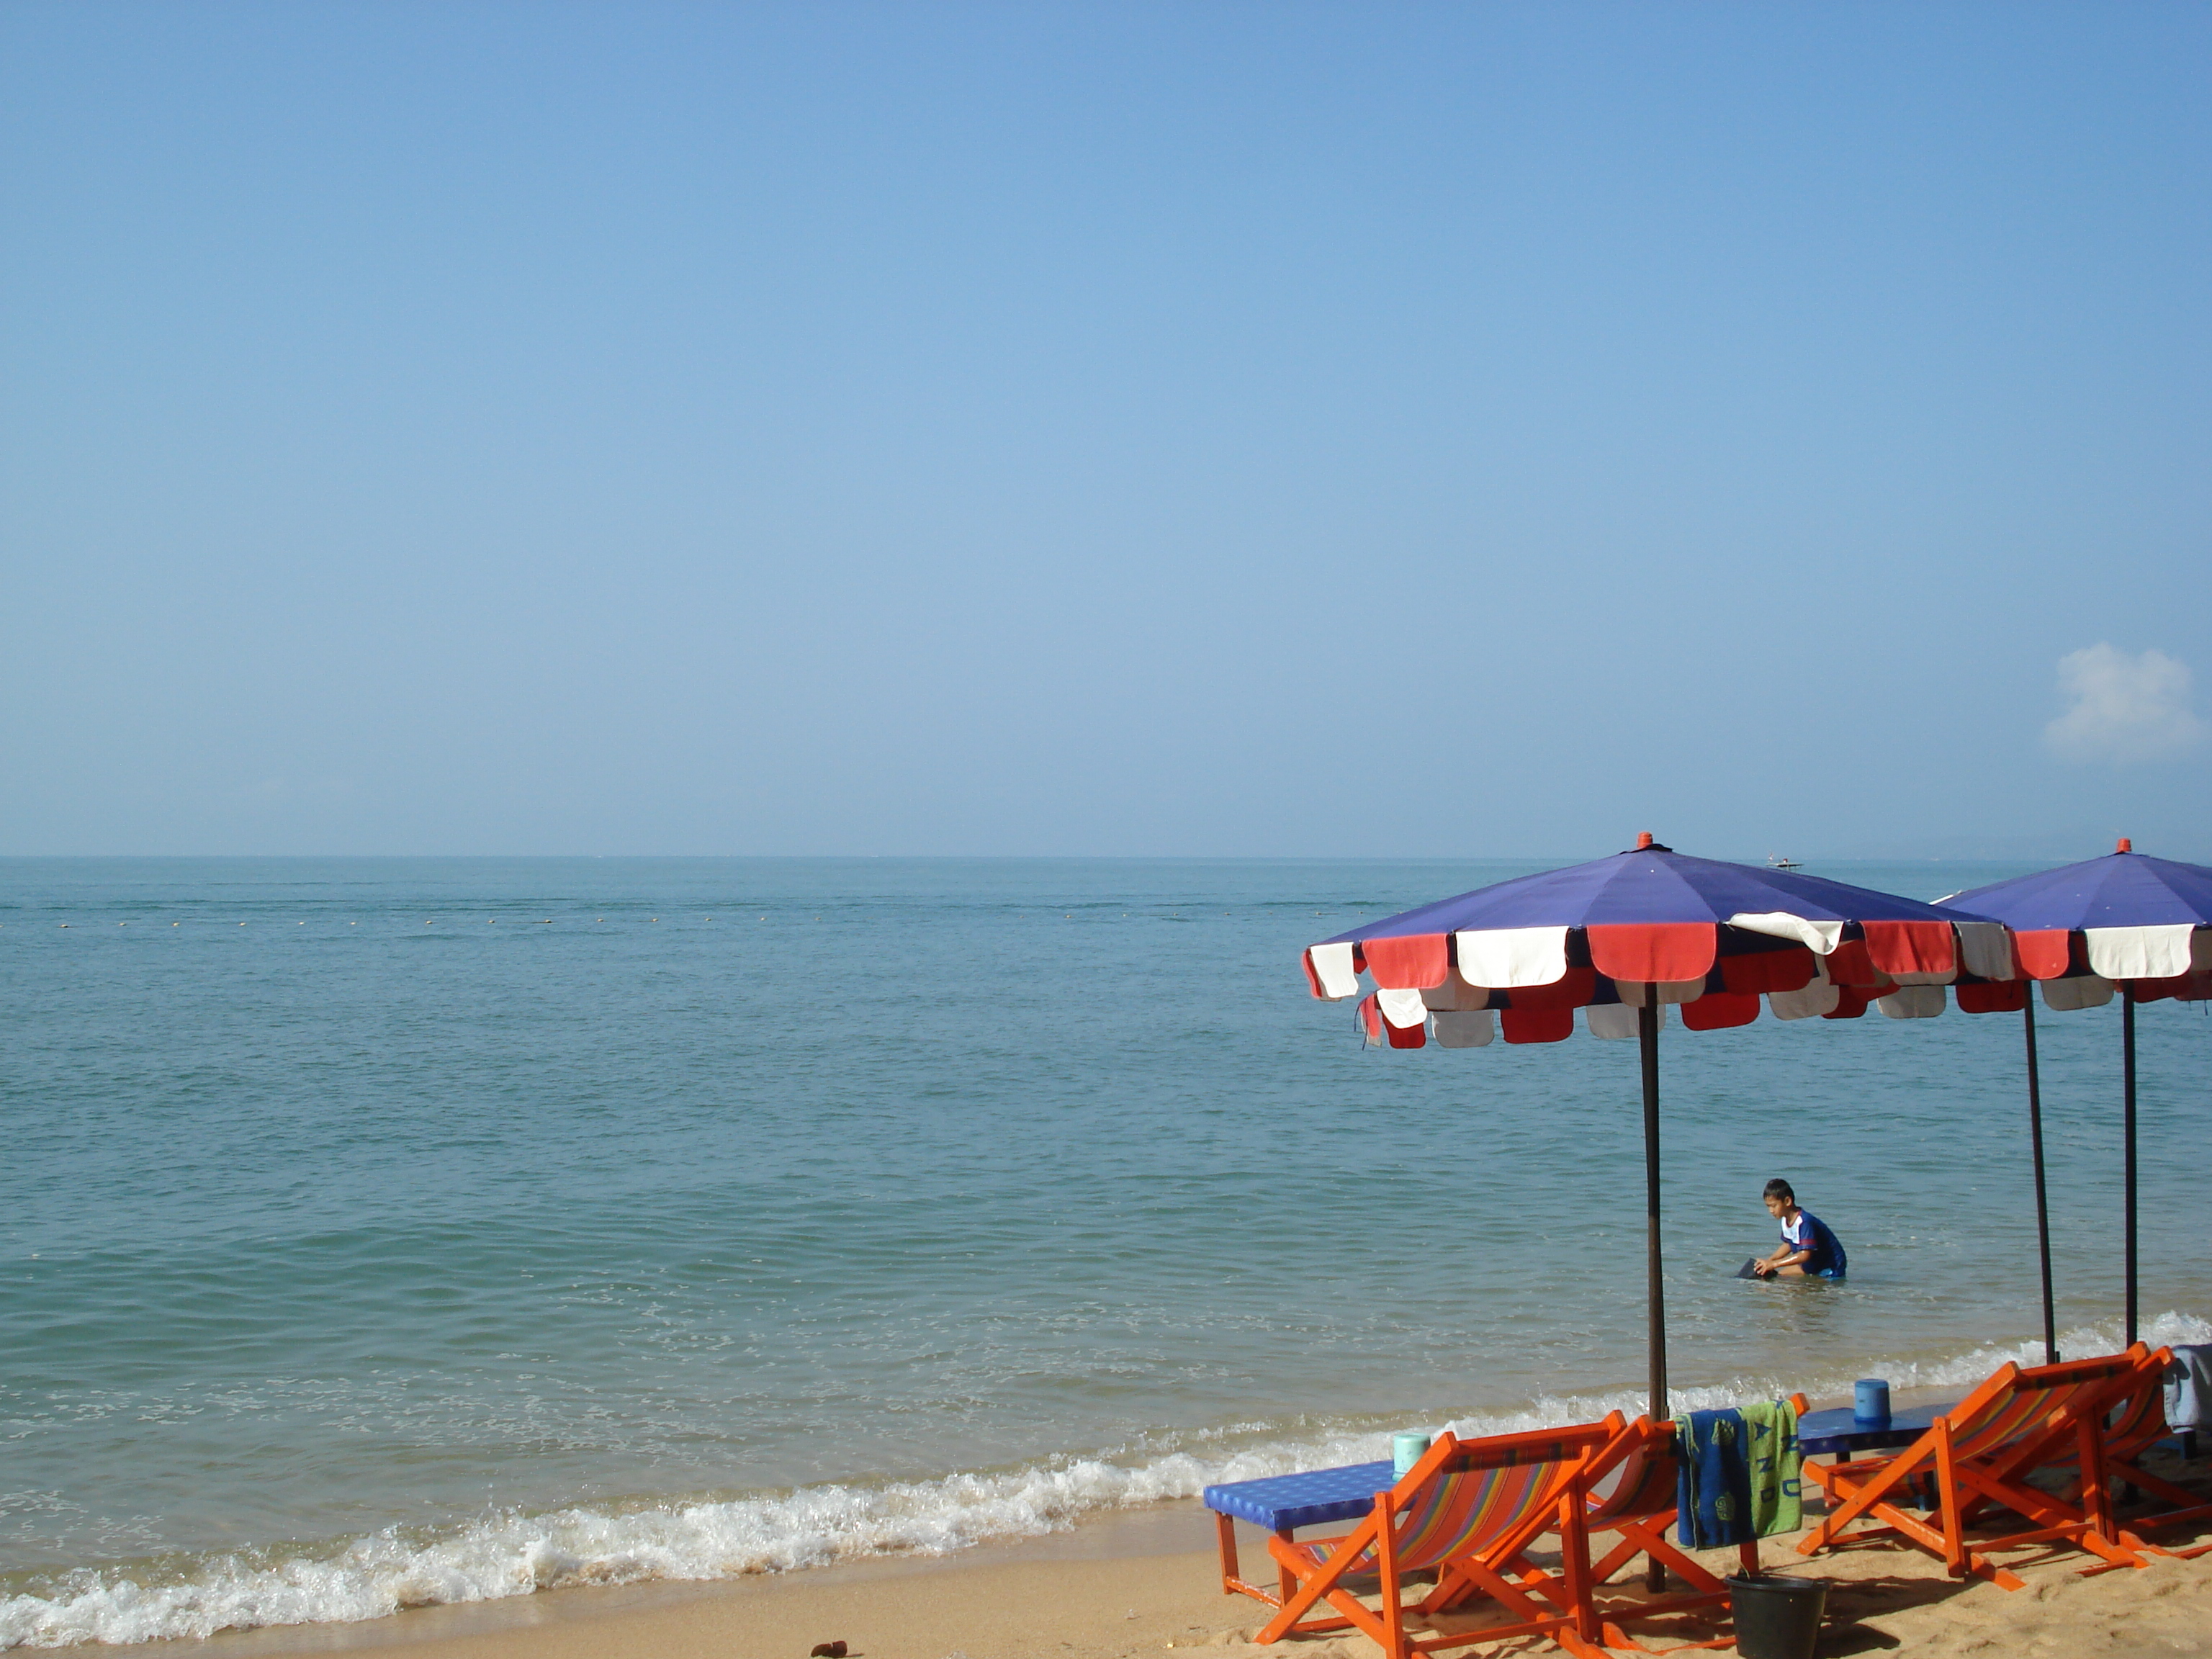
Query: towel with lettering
point(1776, 1467)
point(1740, 1475)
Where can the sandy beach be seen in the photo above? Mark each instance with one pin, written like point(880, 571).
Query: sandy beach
point(1147, 1582)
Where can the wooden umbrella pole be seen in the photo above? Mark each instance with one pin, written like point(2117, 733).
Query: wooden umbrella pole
point(2128, 1090)
point(1647, 1039)
point(2042, 1201)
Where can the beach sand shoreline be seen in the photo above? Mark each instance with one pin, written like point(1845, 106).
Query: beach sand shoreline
point(1145, 1581)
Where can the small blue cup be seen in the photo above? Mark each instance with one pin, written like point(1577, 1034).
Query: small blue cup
point(1406, 1450)
point(1872, 1403)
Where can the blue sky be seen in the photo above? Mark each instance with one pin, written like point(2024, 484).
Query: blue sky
point(1215, 428)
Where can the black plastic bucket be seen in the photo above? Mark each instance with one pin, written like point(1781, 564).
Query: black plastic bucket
point(1777, 1617)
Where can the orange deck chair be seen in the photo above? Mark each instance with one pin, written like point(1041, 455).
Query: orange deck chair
point(1628, 1488)
point(2131, 1430)
point(1980, 1453)
point(1466, 1510)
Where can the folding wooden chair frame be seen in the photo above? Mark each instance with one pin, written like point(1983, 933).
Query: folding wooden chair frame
point(1485, 1568)
point(1965, 1485)
point(1641, 1518)
point(2141, 1426)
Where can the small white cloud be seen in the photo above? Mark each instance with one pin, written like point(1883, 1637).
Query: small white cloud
point(2126, 707)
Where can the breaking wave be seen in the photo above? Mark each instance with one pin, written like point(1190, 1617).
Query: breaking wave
point(516, 1554)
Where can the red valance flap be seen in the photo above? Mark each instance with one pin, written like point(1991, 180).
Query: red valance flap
point(1417, 961)
point(2193, 986)
point(1415, 1035)
point(1305, 961)
point(1850, 963)
point(1537, 1024)
point(1911, 947)
point(1717, 1011)
point(1654, 952)
point(2044, 952)
point(1768, 971)
point(1996, 996)
point(1851, 1001)
point(1370, 1017)
point(1574, 989)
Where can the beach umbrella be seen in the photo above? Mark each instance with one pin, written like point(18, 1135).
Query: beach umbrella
point(2140, 925)
point(1622, 938)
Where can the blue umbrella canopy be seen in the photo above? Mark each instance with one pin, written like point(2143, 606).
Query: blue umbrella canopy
point(2128, 921)
point(1712, 936)
point(2125, 917)
point(1622, 937)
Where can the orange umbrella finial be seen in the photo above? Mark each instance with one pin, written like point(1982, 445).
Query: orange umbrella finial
point(2125, 845)
point(1643, 839)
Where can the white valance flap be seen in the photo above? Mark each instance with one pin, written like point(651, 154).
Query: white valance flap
point(1912, 1002)
point(2159, 952)
point(1502, 958)
point(1985, 949)
point(1331, 966)
point(1820, 937)
point(1670, 990)
point(1466, 1028)
point(1403, 1009)
point(1611, 1020)
point(1817, 998)
point(2066, 995)
point(1456, 993)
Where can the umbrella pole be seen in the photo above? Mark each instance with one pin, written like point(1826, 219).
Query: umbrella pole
point(1654, 1295)
point(2128, 1090)
point(2042, 1201)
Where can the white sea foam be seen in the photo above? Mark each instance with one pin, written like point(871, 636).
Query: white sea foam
point(518, 1554)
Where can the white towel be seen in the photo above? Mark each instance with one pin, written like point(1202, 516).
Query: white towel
point(2188, 1387)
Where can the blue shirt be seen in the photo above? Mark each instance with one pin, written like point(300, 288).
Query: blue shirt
point(1806, 1231)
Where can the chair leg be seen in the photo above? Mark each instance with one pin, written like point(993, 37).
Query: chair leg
point(1575, 1564)
point(1386, 1563)
point(1946, 1491)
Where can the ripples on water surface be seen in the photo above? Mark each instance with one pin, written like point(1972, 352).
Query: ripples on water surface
point(453, 1227)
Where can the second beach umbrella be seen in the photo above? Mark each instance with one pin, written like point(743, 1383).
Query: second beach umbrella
point(2142, 924)
point(1621, 937)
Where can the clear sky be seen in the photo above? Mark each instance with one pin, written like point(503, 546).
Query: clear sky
point(1209, 428)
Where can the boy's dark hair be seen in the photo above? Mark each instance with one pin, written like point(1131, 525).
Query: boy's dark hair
point(1779, 1188)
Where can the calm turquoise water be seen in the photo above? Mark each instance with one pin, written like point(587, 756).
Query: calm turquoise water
point(454, 1227)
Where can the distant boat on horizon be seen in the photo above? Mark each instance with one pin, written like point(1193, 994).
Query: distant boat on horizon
point(1776, 862)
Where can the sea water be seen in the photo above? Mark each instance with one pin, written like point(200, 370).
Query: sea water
point(375, 1233)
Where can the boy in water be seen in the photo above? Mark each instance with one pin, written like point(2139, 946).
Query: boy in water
point(1809, 1250)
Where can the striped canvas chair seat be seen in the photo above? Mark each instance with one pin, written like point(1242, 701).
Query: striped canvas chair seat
point(1455, 1513)
point(2139, 1423)
point(2013, 1417)
point(1650, 1479)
